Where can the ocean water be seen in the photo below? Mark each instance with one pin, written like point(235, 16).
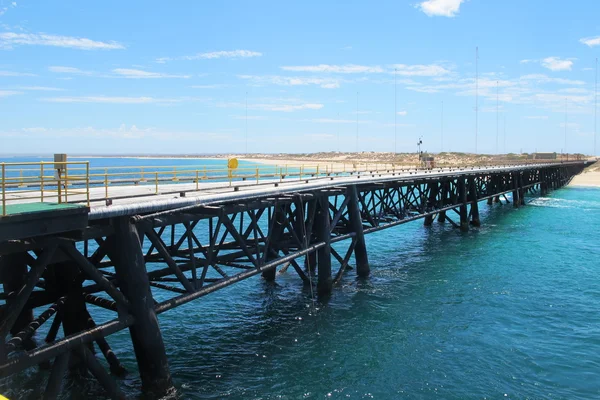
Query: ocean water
point(507, 310)
point(126, 165)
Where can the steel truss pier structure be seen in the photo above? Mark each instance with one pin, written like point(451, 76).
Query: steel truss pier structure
point(94, 276)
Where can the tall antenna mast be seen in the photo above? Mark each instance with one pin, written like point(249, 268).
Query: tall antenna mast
point(504, 134)
point(596, 107)
point(246, 122)
point(497, 117)
point(566, 126)
point(476, 95)
point(338, 134)
point(442, 146)
point(395, 113)
point(357, 122)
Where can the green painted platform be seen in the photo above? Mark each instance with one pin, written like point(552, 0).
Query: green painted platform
point(27, 208)
point(29, 220)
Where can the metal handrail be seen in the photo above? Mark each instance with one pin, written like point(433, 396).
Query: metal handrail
point(41, 187)
point(36, 184)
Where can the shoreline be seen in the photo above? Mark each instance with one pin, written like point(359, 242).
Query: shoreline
point(589, 179)
point(292, 162)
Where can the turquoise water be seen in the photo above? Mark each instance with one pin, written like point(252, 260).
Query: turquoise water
point(507, 310)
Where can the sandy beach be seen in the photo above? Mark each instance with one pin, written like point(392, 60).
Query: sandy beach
point(326, 165)
point(587, 179)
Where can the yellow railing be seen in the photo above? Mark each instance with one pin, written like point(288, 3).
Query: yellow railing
point(157, 176)
point(44, 181)
point(77, 182)
point(30, 182)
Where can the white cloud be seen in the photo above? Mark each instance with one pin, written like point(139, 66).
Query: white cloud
point(402, 113)
point(139, 74)
point(128, 73)
point(214, 86)
point(34, 130)
point(591, 41)
point(131, 132)
point(574, 90)
point(541, 78)
point(69, 70)
point(426, 89)
point(420, 70)
point(400, 69)
point(288, 107)
point(491, 109)
point(319, 136)
point(557, 100)
point(397, 125)
point(579, 100)
point(250, 117)
point(553, 63)
point(5, 9)
point(225, 54)
point(284, 105)
point(41, 88)
point(557, 64)
point(214, 55)
point(334, 121)
point(6, 93)
point(11, 39)
point(340, 69)
point(122, 132)
point(110, 100)
point(574, 125)
point(440, 8)
point(466, 87)
point(536, 90)
point(327, 83)
point(11, 73)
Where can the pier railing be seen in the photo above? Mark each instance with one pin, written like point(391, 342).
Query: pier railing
point(71, 182)
point(43, 181)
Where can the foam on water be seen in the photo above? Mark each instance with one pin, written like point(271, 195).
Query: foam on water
point(565, 203)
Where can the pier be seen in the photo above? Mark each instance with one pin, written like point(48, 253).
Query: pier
point(68, 264)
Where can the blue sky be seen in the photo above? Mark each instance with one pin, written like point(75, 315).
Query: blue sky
point(175, 77)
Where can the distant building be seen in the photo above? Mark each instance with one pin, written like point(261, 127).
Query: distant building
point(542, 156)
point(427, 162)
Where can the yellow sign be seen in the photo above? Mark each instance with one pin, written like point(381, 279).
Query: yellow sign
point(2, 397)
point(232, 163)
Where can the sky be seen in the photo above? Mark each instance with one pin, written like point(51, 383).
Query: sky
point(193, 77)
